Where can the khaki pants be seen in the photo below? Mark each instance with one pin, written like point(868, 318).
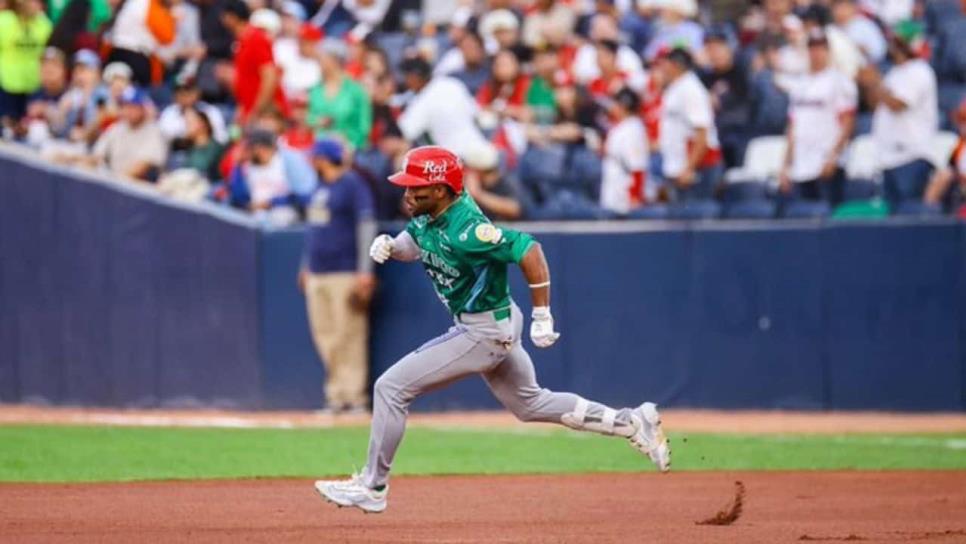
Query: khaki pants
point(341, 336)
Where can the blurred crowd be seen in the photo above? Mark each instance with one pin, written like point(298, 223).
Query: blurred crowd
point(560, 109)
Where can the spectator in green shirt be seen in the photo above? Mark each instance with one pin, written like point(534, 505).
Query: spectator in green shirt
point(24, 30)
point(541, 96)
point(339, 105)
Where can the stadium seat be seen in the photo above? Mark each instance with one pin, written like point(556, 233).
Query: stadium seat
point(743, 192)
point(860, 189)
point(751, 209)
point(763, 160)
point(918, 209)
point(860, 163)
point(653, 211)
point(695, 210)
point(806, 209)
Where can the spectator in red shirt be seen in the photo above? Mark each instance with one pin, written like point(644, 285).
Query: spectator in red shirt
point(257, 78)
point(611, 78)
point(506, 92)
point(299, 135)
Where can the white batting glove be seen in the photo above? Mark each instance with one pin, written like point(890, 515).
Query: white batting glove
point(381, 248)
point(541, 328)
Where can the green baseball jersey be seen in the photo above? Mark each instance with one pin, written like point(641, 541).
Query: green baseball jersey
point(466, 256)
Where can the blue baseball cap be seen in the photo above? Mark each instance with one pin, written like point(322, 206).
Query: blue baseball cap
point(134, 96)
point(328, 149)
point(86, 57)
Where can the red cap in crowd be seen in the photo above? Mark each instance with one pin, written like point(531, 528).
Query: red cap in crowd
point(310, 33)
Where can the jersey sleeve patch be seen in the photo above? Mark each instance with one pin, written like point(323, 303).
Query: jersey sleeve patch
point(487, 233)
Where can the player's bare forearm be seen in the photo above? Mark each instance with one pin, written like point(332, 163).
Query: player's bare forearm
point(537, 273)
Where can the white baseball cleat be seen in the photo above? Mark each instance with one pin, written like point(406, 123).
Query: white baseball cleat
point(353, 492)
point(648, 437)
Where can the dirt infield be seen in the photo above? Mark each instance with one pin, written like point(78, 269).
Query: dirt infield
point(627, 508)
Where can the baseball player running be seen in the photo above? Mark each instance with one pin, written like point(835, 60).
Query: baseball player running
point(466, 258)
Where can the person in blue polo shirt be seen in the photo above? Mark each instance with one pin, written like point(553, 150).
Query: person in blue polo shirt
point(336, 276)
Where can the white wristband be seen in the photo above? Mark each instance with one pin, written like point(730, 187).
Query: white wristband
point(541, 312)
point(539, 285)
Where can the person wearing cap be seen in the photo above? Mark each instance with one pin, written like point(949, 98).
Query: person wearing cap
point(24, 30)
point(294, 50)
point(187, 96)
point(500, 29)
point(132, 147)
point(676, 28)
point(626, 155)
point(467, 259)
point(441, 109)
point(821, 118)
point(494, 189)
point(258, 80)
point(339, 105)
point(79, 105)
point(906, 116)
point(336, 276)
point(691, 155)
point(269, 179)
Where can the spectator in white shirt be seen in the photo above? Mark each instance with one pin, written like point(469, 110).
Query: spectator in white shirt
point(691, 155)
point(906, 116)
point(625, 156)
point(500, 29)
point(890, 12)
point(585, 67)
point(293, 51)
point(860, 29)
point(187, 96)
point(821, 119)
point(441, 109)
point(132, 147)
point(676, 29)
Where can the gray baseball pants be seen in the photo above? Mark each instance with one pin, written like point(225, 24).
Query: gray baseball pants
point(477, 344)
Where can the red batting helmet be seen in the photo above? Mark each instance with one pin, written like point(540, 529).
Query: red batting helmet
point(430, 165)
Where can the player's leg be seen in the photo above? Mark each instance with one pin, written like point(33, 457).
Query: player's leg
point(436, 364)
point(514, 384)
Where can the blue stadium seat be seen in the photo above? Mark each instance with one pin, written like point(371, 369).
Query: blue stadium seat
point(744, 192)
point(918, 209)
point(860, 189)
point(806, 209)
point(751, 209)
point(653, 211)
point(695, 209)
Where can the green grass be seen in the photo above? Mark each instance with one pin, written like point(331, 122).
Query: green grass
point(82, 454)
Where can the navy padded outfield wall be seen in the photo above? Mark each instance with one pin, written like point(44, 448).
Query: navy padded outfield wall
point(112, 296)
